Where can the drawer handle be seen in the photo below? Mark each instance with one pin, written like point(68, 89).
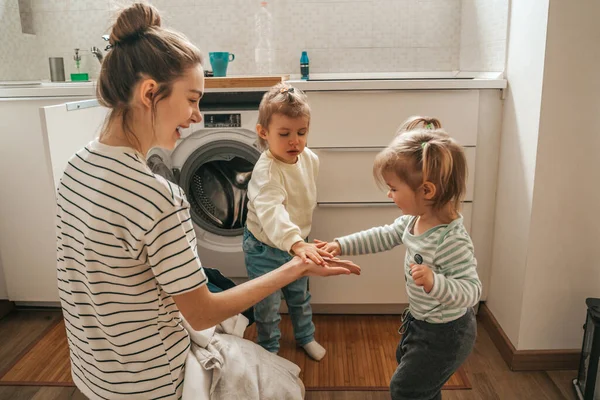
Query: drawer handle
point(349, 149)
point(80, 105)
point(362, 148)
point(341, 204)
point(332, 204)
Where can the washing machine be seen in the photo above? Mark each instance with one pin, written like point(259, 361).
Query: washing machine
point(213, 163)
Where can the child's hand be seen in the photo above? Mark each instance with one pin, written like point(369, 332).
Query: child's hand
point(333, 248)
point(423, 276)
point(310, 251)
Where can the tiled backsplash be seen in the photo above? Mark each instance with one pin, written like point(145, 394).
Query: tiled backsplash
point(19, 53)
point(339, 35)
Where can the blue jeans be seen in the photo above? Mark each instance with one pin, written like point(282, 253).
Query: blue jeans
point(261, 259)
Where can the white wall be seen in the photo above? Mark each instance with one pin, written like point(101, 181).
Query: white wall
point(518, 148)
point(545, 260)
point(483, 31)
point(563, 263)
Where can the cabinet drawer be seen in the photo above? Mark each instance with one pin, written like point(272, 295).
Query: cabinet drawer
point(346, 175)
point(371, 118)
point(381, 280)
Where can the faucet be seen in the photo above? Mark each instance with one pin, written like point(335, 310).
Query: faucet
point(97, 53)
point(106, 39)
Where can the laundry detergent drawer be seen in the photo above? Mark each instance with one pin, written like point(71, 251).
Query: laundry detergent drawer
point(381, 280)
point(346, 175)
point(371, 118)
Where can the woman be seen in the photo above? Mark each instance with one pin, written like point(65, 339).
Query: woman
point(127, 259)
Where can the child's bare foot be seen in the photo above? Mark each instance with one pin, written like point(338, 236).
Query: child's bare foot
point(314, 350)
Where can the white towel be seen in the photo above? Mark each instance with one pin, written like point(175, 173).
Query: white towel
point(223, 366)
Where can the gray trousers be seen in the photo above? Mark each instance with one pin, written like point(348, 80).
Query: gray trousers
point(428, 354)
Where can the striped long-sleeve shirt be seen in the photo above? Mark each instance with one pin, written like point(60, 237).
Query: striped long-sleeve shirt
point(446, 249)
point(125, 245)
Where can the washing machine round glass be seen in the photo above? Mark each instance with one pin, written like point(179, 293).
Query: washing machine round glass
point(215, 179)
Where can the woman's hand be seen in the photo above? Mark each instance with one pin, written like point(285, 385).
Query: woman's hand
point(333, 248)
point(333, 266)
point(310, 251)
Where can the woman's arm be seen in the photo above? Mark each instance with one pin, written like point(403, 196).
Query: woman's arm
point(203, 309)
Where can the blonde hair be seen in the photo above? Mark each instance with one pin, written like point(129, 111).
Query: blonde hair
point(141, 48)
point(423, 152)
point(283, 99)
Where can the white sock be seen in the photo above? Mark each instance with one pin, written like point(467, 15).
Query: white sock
point(314, 350)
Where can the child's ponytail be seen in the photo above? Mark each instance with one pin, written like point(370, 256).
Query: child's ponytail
point(444, 165)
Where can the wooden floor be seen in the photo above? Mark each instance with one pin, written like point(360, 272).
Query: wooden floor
point(361, 352)
point(489, 375)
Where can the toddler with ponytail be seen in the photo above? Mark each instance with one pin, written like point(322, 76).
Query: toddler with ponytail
point(425, 171)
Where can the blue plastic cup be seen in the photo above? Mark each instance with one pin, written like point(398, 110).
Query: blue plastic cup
point(219, 61)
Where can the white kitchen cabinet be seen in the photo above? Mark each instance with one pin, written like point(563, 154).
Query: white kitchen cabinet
point(382, 279)
point(347, 130)
point(371, 118)
point(346, 175)
point(28, 206)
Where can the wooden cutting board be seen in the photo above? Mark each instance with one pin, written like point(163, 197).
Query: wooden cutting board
point(244, 81)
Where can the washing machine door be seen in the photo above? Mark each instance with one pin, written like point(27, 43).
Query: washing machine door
point(215, 179)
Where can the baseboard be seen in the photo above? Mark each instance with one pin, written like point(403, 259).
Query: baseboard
point(358, 308)
point(351, 308)
point(378, 309)
point(526, 360)
point(6, 306)
point(41, 305)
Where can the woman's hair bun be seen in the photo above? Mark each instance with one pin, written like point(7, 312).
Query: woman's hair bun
point(133, 22)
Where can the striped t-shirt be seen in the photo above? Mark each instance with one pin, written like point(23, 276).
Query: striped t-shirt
point(125, 245)
point(446, 249)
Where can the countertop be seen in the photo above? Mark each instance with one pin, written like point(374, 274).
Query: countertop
point(317, 82)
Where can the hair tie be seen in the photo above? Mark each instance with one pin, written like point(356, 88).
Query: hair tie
point(134, 37)
point(286, 90)
point(429, 125)
point(423, 145)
